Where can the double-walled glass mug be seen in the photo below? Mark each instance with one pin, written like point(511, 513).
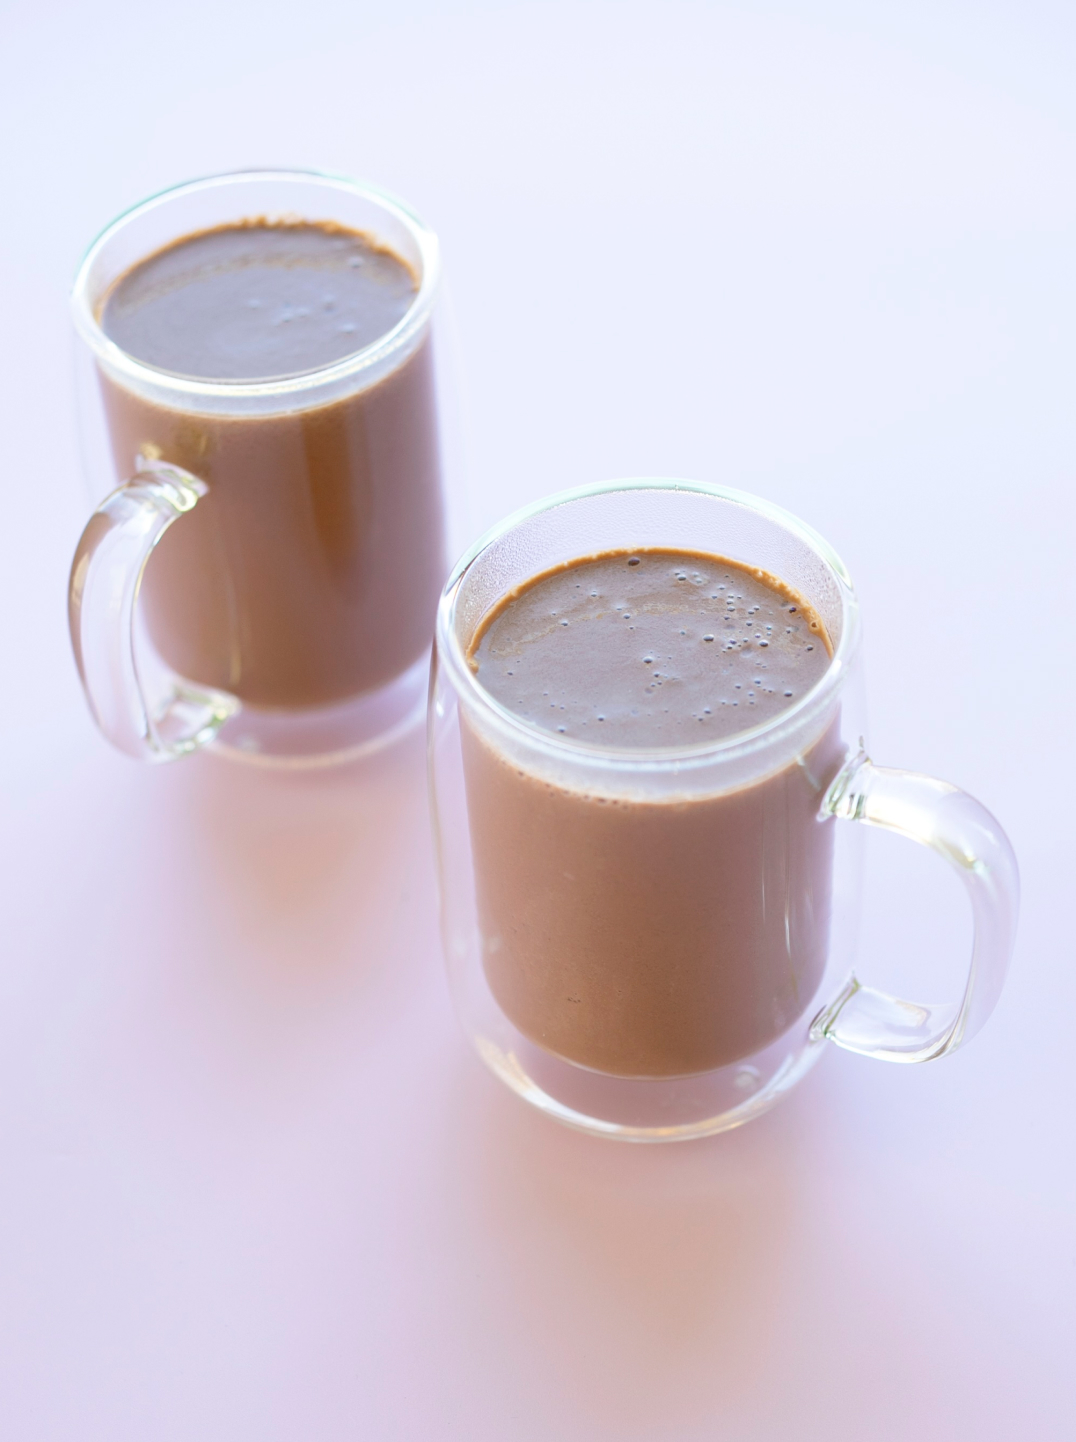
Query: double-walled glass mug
point(262, 574)
point(656, 944)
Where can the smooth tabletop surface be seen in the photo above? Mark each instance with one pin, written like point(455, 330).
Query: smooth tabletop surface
point(253, 1184)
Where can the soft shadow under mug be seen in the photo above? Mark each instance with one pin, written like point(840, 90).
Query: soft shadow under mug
point(265, 577)
point(657, 944)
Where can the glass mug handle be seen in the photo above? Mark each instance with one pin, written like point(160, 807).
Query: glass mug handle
point(106, 577)
point(958, 828)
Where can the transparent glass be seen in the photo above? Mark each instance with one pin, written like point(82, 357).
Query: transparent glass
point(657, 944)
point(262, 572)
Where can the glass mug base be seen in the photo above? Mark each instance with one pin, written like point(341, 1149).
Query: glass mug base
point(328, 735)
point(648, 1109)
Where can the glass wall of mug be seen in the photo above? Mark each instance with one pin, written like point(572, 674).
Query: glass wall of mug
point(655, 944)
point(262, 572)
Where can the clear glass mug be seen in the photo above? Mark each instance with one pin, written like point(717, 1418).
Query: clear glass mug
point(657, 944)
point(263, 571)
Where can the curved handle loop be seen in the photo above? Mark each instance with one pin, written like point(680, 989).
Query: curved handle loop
point(106, 576)
point(953, 824)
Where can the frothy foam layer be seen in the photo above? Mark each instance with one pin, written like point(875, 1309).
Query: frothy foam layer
point(258, 301)
point(650, 648)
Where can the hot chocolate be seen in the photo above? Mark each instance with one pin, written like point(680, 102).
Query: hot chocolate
point(640, 937)
point(310, 571)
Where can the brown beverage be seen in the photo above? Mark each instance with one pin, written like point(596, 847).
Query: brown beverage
point(310, 571)
point(650, 938)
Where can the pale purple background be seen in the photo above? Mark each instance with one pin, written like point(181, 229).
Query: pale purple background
point(254, 1187)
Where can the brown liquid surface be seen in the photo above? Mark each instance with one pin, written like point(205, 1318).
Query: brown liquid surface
point(651, 938)
point(650, 648)
point(255, 301)
point(310, 572)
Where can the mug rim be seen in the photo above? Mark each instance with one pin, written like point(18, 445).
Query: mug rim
point(815, 701)
point(122, 363)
